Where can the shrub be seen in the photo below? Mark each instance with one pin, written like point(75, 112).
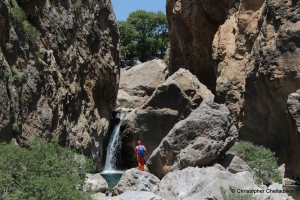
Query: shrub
point(16, 77)
point(45, 171)
point(23, 98)
point(261, 160)
point(76, 5)
point(31, 32)
point(46, 69)
point(6, 74)
point(18, 14)
point(15, 127)
point(9, 46)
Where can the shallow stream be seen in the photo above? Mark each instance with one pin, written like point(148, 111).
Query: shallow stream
point(112, 179)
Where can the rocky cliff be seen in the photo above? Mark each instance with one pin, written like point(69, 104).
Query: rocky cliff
point(248, 53)
point(59, 72)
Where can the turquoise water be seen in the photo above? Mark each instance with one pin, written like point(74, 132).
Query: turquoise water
point(112, 179)
point(296, 191)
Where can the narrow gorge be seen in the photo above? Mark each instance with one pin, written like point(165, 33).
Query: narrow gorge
point(231, 74)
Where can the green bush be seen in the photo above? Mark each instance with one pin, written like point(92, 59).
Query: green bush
point(76, 5)
point(261, 160)
point(235, 196)
point(31, 32)
point(15, 126)
point(16, 77)
point(45, 171)
point(18, 14)
point(9, 46)
point(6, 74)
point(23, 98)
point(20, 17)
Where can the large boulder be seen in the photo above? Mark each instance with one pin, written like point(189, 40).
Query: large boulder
point(293, 107)
point(170, 102)
point(61, 81)
point(138, 83)
point(234, 164)
point(211, 183)
point(199, 140)
point(95, 183)
point(136, 180)
point(202, 183)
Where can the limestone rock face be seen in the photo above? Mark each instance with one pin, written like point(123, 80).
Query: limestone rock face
point(170, 102)
point(139, 82)
point(193, 25)
point(250, 51)
point(293, 106)
point(199, 140)
point(136, 180)
point(257, 59)
point(63, 83)
point(192, 183)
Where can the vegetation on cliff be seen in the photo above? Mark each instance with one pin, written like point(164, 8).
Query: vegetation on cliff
point(144, 35)
point(261, 160)
point(43, 171)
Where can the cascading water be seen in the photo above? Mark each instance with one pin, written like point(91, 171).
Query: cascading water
point(111, 155)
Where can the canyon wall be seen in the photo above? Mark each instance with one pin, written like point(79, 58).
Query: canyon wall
point(247, 52)
point(59, 72)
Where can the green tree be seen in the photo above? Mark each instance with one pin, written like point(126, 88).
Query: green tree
point(45, 171)
point(128, 35)
point(144, 35)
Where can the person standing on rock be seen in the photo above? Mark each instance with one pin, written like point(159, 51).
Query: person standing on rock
point(140, 154)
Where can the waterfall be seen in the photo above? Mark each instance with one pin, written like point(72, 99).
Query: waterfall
point(111, 154)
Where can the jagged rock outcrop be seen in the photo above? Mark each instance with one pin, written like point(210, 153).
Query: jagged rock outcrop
point(199, 140)
point(251, 50)
point(293, 106)
point(63, 83)
point(170, 102)
point(139, 82)
point(136, 180)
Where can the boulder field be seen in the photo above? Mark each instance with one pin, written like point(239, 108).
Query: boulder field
point(191, 183)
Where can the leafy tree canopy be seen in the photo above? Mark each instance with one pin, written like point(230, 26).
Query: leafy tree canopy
point(45, 171)
point(144, 35)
